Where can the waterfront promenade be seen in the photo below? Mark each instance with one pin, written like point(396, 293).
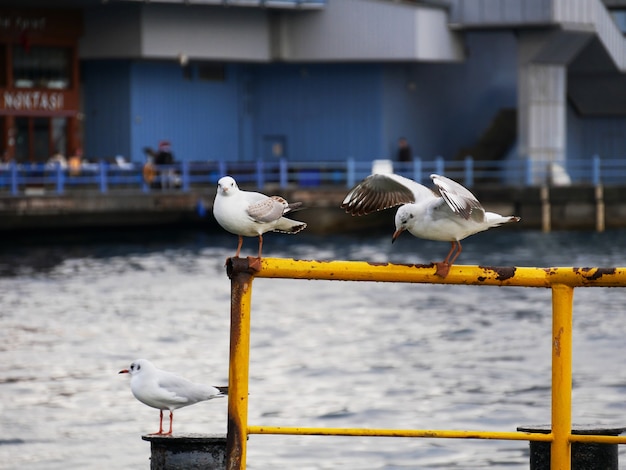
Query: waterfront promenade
point(565, 208)
point(124, 194)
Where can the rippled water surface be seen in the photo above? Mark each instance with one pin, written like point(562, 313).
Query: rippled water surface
point(341, 354)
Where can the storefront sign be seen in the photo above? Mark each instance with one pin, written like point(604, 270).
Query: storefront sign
point(35, 23)
point(22, 23)
point(32, 101)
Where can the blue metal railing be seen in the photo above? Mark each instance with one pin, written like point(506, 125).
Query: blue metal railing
point(16, 179)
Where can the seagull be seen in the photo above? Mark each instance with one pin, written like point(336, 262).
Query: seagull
point(450, 214)
point(166, 391)
point(251, 214)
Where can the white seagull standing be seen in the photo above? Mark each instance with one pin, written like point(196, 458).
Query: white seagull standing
point(252, 214)
point(165, 390)
point(451, 214)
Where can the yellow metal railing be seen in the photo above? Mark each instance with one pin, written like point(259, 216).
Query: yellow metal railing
point(561, 281)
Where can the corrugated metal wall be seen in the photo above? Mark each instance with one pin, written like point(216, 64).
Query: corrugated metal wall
point(106, 107)
point(326, 112)
point(198, 116)
point(315, 112)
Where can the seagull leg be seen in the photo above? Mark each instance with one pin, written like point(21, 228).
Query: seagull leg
point(458, 252)
point(255, 263)
point(239, 246)
point(453, 246)
point(443, 267)
point(160, 425)
point(171, 422)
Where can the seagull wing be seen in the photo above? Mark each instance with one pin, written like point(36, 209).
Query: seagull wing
point(267, 210)
point(382, 191)
point(183, 391)
point(458, 198)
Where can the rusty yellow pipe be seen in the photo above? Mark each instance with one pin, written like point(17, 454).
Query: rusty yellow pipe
point(238, 368)
point(562, 305)
point(443, 434)
point(459, 274)
point(562, 280)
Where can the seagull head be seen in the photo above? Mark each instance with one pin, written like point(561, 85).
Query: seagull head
point(227, 185)
point(404, 220)
point(137, 367)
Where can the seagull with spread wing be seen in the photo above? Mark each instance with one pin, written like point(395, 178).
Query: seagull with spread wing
point(452, 213)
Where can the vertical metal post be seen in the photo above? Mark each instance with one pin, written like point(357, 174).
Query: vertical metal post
point(60, 178)
point(439, 165)
point(546, 210)
point(596, 170)
point(185, 175)
point(241, 277)
point(469, 171)
point(260, 174)
point(562, 303)
point(103, 176)
point(284, 173)
point(417, 169)
point(600, 211)
point(350, 172)
point(14, 185)
point(529, 172)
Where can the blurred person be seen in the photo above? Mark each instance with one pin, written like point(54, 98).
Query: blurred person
point(404, 150)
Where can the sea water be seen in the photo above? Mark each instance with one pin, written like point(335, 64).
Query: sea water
point(74, 311)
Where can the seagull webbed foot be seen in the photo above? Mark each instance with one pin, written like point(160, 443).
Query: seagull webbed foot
point(442, 269)
point(254, 263)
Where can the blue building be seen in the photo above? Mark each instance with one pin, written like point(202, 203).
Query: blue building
point(324, 80)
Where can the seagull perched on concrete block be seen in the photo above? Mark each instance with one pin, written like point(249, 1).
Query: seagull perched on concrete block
point(166, 391)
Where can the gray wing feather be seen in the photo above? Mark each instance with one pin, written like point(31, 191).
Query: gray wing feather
point(268, 210)
point(378, 192)
point(458, 198)
point(185, 391)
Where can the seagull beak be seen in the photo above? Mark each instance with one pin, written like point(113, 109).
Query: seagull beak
point(124, 371)
point(396, 234)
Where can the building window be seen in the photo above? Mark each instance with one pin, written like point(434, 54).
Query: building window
point(59, 135)
point(41, 139)
point(211, 72)
point(41, 67)
point(38, 138)
point(22, 141)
